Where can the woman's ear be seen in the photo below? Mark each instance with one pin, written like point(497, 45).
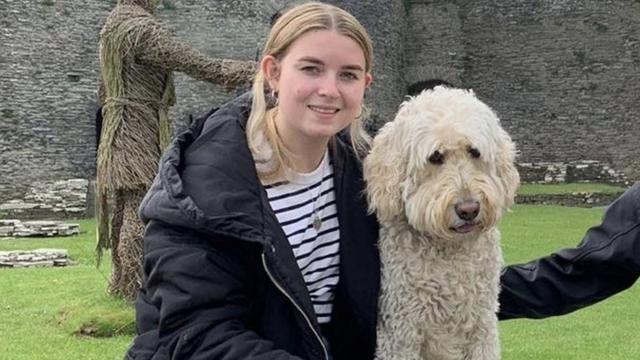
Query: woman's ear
point(368, 79)
point(271, 69)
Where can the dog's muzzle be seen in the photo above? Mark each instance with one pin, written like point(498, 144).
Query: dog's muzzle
point(467, 212)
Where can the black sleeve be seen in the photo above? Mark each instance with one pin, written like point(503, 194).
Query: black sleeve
point(196, 299)
point(606, 262)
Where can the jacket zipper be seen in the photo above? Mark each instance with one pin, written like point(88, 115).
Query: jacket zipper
point(304, 315)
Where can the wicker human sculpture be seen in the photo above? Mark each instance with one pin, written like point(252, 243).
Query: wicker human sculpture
point(137, 58)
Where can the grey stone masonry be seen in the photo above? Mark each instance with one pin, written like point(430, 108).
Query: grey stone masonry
point(17, 228)
point(34, 258)
point(578, 199)
point(578, 171)
point(48, 90)
point(563, 76)
point(62, 199)
point(434, 42)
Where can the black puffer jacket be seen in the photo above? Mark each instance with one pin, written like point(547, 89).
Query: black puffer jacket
point(221, 281)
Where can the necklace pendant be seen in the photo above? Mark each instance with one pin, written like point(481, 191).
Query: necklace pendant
point(317, 222)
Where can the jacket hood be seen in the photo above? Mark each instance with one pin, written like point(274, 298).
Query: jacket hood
point(207, 179)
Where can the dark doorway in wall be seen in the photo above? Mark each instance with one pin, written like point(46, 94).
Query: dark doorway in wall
point(417, 87)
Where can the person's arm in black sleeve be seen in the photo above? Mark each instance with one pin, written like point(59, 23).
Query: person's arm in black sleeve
point(606, 262)
point(203, 290)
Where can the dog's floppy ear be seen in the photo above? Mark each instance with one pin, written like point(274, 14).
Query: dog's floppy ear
point(506, 168)
point(383, 168)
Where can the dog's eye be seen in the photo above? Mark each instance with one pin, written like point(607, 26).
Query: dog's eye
point(436, 158)
point(473, 152)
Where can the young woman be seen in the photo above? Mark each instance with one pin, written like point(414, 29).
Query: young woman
point(258, 242)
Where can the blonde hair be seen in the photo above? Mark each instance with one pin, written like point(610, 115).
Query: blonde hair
point(266, 146)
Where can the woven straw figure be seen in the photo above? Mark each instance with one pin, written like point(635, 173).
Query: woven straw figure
point(137, 58)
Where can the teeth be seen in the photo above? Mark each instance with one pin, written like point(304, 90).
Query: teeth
point(323, 110)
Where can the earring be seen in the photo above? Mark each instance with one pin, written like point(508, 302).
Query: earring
point(273, 98)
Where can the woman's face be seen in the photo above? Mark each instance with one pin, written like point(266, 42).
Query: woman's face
point(320, 83)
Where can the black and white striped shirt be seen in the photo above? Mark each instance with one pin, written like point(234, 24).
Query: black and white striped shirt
point(316, 251)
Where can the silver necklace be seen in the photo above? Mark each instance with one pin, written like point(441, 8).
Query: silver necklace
point(317, 221)
point(316, 216)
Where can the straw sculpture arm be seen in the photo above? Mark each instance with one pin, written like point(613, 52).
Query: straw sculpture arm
point(159, 48)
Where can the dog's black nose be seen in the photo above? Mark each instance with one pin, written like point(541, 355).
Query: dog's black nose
point(467, 209)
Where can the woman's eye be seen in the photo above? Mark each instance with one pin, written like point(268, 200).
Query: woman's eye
point(349, 76)
point(311, 69)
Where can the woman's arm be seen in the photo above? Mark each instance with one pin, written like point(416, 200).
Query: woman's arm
point(606, 262)
point(196, 298)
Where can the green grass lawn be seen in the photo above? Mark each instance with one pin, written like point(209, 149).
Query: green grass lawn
point(608, 330)
point(43, 307)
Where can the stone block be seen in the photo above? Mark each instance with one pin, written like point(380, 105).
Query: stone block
point(37, 228)
point(35, 258)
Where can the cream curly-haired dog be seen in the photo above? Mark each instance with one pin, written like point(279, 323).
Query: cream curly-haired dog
point(439, 178)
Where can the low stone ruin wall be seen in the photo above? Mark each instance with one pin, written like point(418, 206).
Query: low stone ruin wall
point(580, 171)
point(581, 199)
point(35, 258)
point(17, 228)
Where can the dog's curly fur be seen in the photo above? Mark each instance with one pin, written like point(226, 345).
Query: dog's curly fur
point(439, 178)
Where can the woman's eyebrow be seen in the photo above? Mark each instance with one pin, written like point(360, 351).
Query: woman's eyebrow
point(313, 60)
point(353, 67)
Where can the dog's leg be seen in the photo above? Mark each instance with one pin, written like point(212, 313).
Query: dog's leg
point(443, 346)
point(484, 340)
point(398, 333)
point(395, 342)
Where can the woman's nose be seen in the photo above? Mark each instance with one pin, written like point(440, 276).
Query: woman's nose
point(328, 87)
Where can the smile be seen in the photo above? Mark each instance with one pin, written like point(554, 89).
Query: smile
point(324, 109)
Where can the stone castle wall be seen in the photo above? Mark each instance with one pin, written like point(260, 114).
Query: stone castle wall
point(562, 75)
point(434, 45)
point(48, 77)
